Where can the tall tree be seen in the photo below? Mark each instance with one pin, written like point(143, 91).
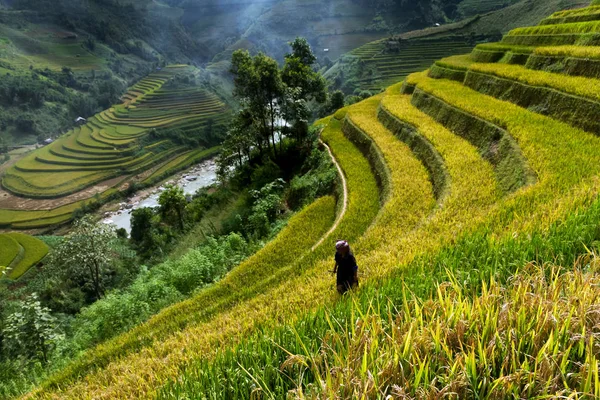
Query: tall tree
point(172, 206)
point(259, 87)
point(86, 255)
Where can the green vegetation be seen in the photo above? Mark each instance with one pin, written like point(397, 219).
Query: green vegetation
point(19, 253)
point(446, 204)
point(461, 190)
point(156, 123)
point(10, 250)
point(377, 65)
point(33, 251)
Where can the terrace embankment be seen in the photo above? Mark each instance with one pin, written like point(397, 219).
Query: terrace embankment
point(122, 145)
point(493, 142)
point(520, 186)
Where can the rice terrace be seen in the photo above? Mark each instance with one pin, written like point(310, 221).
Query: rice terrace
point(449, 169)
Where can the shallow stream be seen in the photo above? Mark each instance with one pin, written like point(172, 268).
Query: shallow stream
point(198, 177)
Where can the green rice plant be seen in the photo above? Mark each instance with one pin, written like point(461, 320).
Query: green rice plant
point(565, 161)
point(272, 360)
point(34, 251)
point(527, 340)
point(318, 291)
point(461, 62)
point(573, 85)
point(10, 250)
point(569, 60)
point(569, 51)
point(21, 184)
point(362, 207)
point(544, 142)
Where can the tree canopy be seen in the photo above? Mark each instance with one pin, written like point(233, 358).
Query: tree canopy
point(275, 101)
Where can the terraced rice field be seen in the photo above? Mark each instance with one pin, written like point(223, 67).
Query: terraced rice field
point(388, 68)
point(97, 158)
point(453, 179)
point(19, 253)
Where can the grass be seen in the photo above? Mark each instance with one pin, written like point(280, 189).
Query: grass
point(569, 51)
point(471, 257)
point(405, 339)
point(578, 86)
point(269, 329)
point(539, 205)
point(381, 68)
point(34, 251)
point(362, 207)
point(560, 29)
point(10, 250)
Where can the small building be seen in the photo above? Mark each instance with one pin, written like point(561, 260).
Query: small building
point(48, 141)
point(80, 120)
point(326, 50)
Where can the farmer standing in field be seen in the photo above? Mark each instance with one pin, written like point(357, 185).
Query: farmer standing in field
point(345, 267)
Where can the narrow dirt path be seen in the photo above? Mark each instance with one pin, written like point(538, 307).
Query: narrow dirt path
point(345, 199)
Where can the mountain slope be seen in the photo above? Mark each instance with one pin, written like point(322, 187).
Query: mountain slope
point(445, 176)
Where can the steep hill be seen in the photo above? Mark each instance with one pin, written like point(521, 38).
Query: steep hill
point(166, 121)
point(63, 59)
point(378, 64)
point(462, 174)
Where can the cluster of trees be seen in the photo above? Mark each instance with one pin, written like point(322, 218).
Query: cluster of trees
point(25, 96)
point(275, 102)
point(209, 135)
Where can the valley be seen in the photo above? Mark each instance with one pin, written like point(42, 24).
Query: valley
point(178, 242)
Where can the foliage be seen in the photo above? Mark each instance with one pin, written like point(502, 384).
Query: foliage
point(579, 86)
point(153, 126)
point(31, 331)
point(10, 250)
point(265, 208)
point(274, 102)
point(156, 288)
point(85, 255)
point(415, 235)
point(172, 203)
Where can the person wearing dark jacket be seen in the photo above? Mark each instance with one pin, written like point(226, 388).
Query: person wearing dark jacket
point(345, 268)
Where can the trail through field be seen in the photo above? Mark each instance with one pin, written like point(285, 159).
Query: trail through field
point(345, 200)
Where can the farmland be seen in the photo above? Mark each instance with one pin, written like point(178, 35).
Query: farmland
point(19, 253)
point(379, 64)
point(463, 184)
point(96, 159)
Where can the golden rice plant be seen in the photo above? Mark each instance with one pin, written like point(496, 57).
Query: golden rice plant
point(534, 338)
point(592, 52)
point(575, 85)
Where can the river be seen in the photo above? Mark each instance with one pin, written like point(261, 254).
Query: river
point(198, 177)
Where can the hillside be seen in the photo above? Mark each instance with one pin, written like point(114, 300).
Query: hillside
point(64, 59)
point(166, 122)
point(470, 197)
point(378, 64)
